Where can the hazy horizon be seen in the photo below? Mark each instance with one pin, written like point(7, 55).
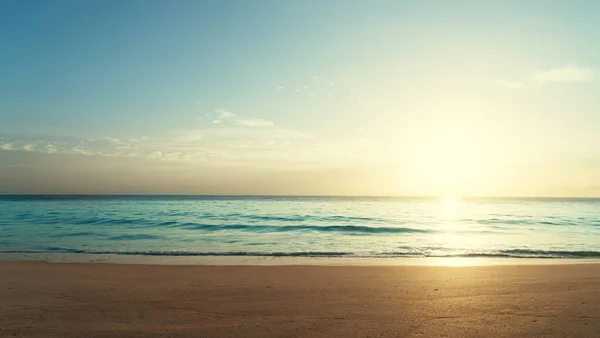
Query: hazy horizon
point(442, 198)
point(311, 98)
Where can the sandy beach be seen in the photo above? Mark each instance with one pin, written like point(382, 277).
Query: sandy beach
point(108, 300)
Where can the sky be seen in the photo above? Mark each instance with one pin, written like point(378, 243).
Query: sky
point(339, 97)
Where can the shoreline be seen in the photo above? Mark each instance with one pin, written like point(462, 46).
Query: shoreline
point(102, 300)
point(61, 258)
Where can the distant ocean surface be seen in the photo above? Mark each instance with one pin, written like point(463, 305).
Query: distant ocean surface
point(325, 227)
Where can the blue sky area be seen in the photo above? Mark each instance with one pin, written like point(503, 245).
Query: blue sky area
point(300, 97)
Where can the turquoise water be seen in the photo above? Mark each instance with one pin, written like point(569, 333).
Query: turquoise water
point(299, 226)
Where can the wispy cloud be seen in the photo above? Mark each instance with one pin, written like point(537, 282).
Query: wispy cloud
point(233, 140)
point(253, 123)
point(80, 151)
point(369, 103)
point(111, 140)
point(51, 148)
point(317, 86)
point(30, 146)
point(226, 117)
point(568, 73)
point(156, 154)
point(511, 84)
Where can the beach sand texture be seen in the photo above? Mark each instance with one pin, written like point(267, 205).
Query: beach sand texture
point(112, 300)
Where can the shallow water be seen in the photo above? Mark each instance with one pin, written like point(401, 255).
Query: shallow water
point(323, 227)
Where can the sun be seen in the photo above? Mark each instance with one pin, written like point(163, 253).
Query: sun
point(449, 165)
point(451, 201)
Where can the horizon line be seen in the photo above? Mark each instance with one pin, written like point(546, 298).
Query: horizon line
point(286, 195)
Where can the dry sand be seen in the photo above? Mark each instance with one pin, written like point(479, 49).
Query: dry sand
point(110, 300)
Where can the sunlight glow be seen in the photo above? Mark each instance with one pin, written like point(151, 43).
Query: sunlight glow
point(457, 261)
point(451, 201)
point(449, 163)
point(449, 208)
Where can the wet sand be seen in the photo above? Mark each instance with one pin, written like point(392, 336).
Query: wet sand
point(116, 300)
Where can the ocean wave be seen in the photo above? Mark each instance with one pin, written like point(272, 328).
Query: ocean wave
point(109, 220)
point(513, 253)
point(550, 253)
point(276, 223)
point(305, 218)
point(127, 237)
point(347, 229)
point(250, 222)
point(76, 234)
point(272, 218)
point(502, 222)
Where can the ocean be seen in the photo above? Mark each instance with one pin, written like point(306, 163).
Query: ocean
point(96, 228)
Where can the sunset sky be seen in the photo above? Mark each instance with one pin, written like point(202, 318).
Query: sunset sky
point(485, 98)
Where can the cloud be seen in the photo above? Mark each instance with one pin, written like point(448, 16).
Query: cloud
point(80, 151)
point(224, 116)
point(254, 123)
point(230, 118)
point(316, 86)
point(230, 145)
point(111, 140)
point(235, 140)
point(369, 103)
point(50, 148)
point(189, 137)
point(568, 73)
point(156, 154)
point(30, 146)
point(511, 84)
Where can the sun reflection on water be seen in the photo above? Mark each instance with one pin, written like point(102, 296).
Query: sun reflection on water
point(450, 206)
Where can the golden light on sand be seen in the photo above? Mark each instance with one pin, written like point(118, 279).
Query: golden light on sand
point(458, 261)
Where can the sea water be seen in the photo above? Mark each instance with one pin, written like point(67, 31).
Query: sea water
point(323, 227)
